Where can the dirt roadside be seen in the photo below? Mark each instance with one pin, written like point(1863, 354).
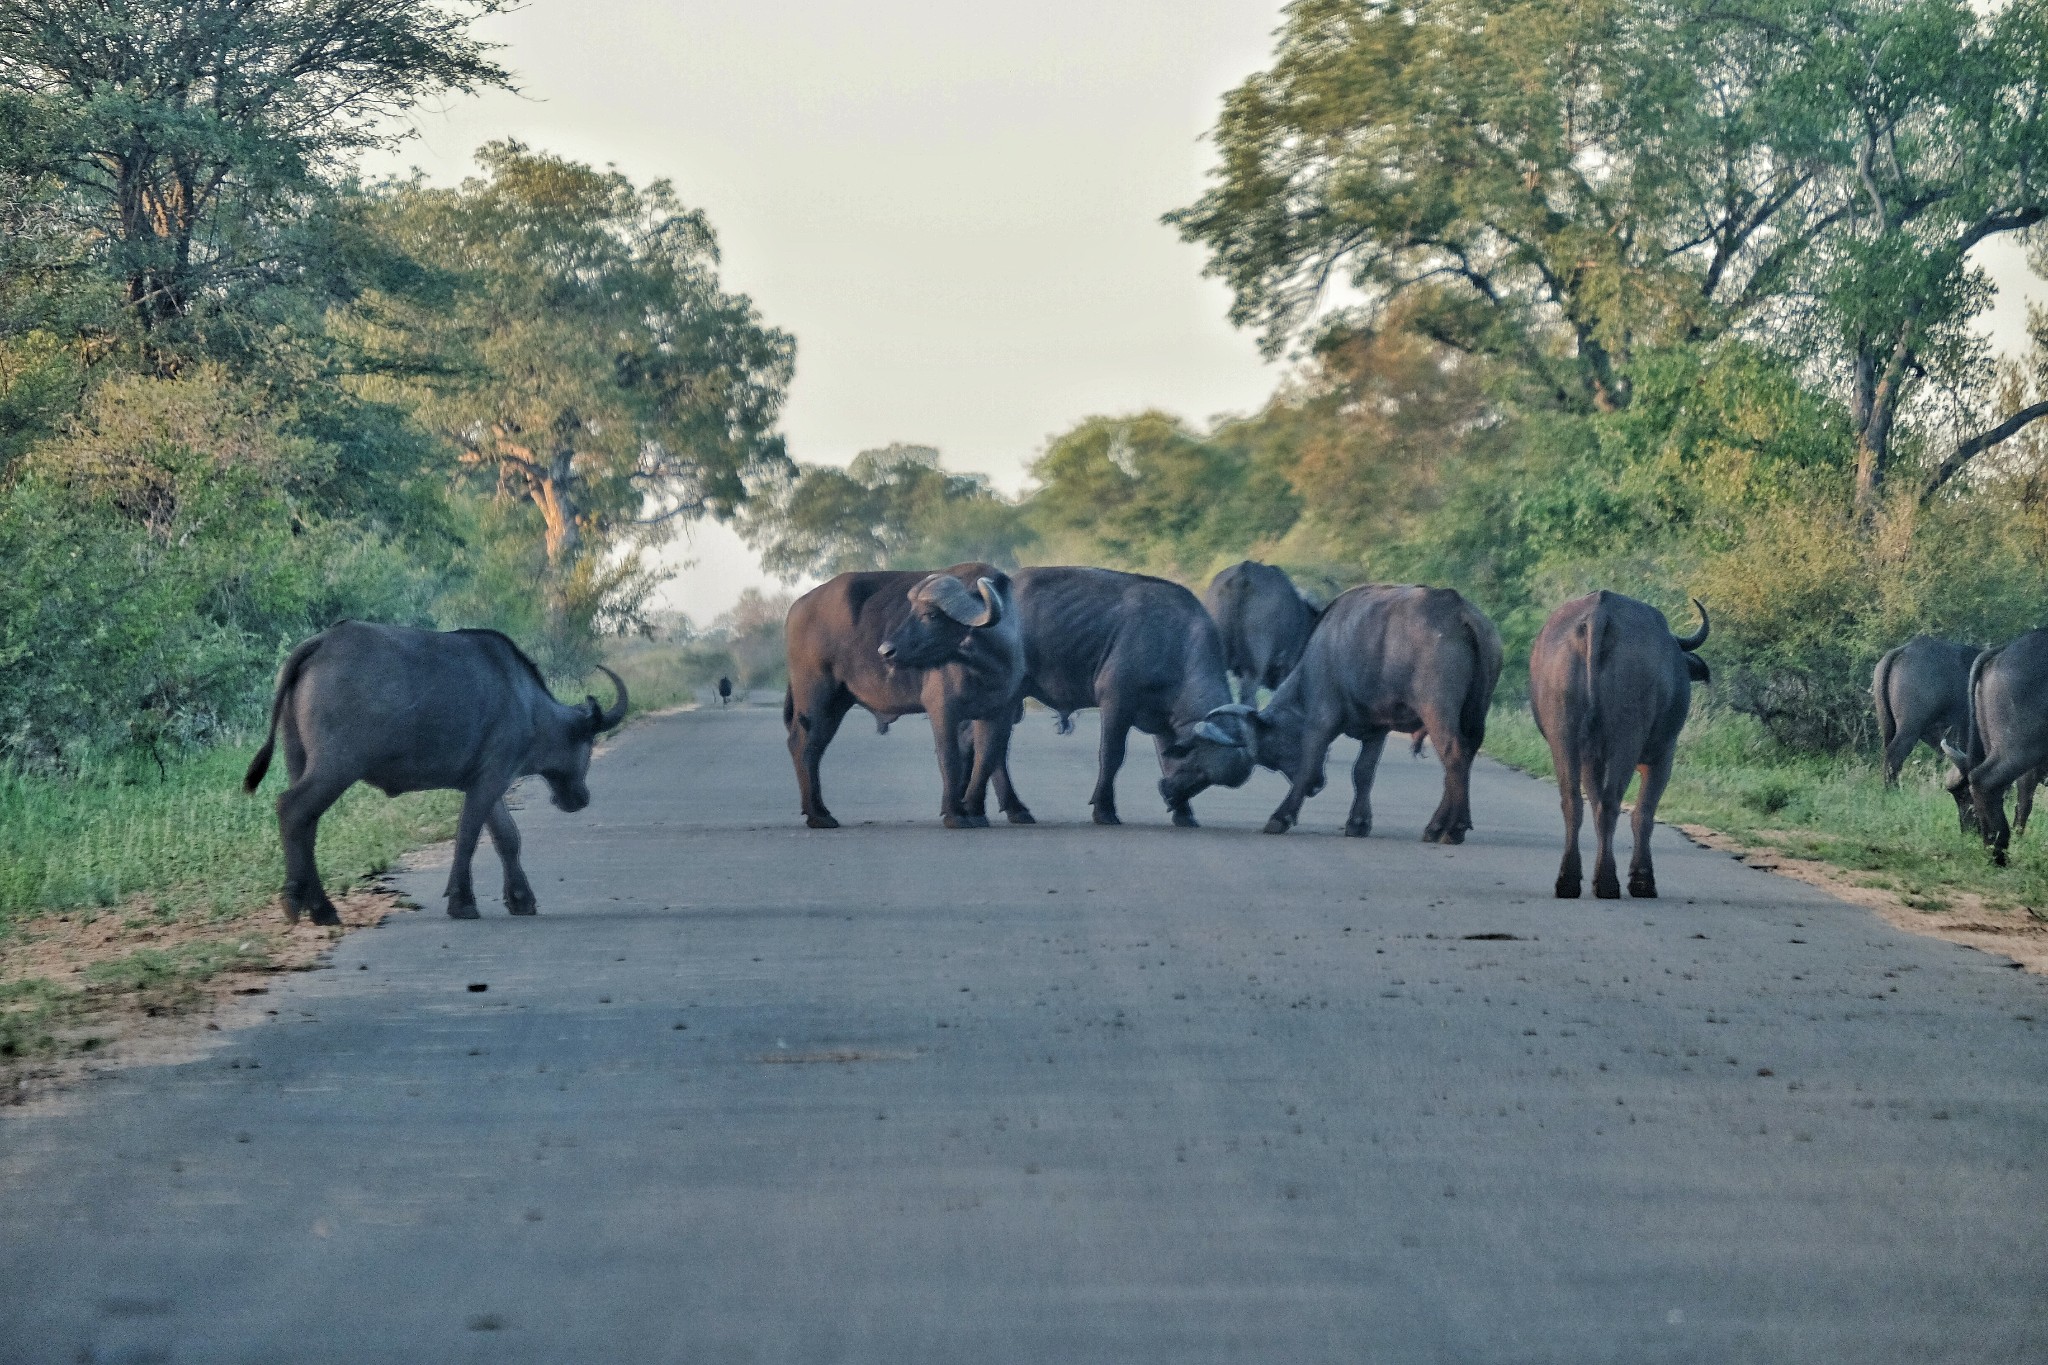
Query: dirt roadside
point(127, 987)
point(1973, 924)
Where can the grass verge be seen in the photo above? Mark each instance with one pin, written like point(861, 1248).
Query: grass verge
point(1731, 777)
point(129, 882)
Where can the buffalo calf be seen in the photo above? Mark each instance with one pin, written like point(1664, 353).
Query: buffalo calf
point(412, 710)
point(1610, 686)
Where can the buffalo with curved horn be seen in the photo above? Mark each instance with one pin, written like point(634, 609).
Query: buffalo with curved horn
point(412, 710)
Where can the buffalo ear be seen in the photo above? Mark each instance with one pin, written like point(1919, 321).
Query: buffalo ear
point(1697, 667)
point(592, 711)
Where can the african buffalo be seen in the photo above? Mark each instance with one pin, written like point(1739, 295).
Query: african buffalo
point(1610, 686)
point(1384, 657)
point(1922, 691)
point(411, 710)
point(1144, 651)
point(2007, 737)
point(1264, 623)
point(946, 644)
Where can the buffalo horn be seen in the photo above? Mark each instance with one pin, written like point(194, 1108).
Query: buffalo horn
point(950, 596)
point(610, 720)
point(1955, 755)
point(1233, 708)
point(1214, 733)
point(1698, 637)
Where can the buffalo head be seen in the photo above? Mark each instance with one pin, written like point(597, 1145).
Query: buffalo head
point(1219, 750)
point(566, 763)
point(1958, 784)
point(942, 612)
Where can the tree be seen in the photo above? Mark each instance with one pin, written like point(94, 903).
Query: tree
point(1573, 185)
point(584, 357)
point(191, 134)
point(1564, 181)
point(893, 507)
point(1148, 493)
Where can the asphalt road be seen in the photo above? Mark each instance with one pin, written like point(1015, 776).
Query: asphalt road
point(895, 1094)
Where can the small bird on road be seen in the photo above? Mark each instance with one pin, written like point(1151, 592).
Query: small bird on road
point(724, 690)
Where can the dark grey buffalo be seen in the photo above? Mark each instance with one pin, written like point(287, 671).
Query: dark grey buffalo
point(1263, 620)
point(1385, 657)
point(1144, 651)
point(1922, 691)
point(1610, 686)
point(2007, 736)
point(946, 644)
point(412, 710)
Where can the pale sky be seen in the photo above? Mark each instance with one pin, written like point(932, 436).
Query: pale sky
point(953, 207)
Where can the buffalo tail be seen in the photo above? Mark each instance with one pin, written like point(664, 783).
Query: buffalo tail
point(287, 678)
point(1880, 687)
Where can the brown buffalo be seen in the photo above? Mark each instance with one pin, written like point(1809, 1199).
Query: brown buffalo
point(946, 644)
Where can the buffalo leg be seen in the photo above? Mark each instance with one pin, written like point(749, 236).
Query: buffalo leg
point(1642, 874)
point(1453, 814)
point(1988, 781)
point(2023, 801)
point(1571, 795)
point(811, 727)
point(1896, 753)
point(1308, 780)
point(991, 764)
point(1006, 796)
point(298, 823)
point(952, 771)
point(1116, 733)
point(476, 810)
point(519, 898)
point(1607, 790)
point(1358, 823)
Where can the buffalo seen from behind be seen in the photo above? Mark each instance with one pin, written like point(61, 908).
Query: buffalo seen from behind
point(1610, 687)
point(1263, 621)
point(2007, 735)
point(1383, 657)
point(946, 644)
point(1144, 651)
point(413, 710)
point(1922, 692)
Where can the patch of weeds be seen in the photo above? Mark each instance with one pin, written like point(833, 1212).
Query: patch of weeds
point(1771, 795)
point(29, 1010)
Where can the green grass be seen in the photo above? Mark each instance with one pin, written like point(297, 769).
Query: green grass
point(187, 838)
point(1733, 778)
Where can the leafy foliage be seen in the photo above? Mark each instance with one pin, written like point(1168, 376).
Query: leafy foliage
point(894, 507)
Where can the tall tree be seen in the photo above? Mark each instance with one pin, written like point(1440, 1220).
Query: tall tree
point(192, 133)
point(892, 507)
point(596, 366)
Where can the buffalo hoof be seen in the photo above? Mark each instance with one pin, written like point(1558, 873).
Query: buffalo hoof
point(1279, 824)
point(821, 822)
point(1451, 836)
point(522, 905)
point(1606, 890)
point(291, 913)
point(461, 909)
point(1643, 888)
point(326, 915)
point(1020, 816)
point(1567, 889)
point(959, 822)
point(1106, 816)
point(1357, 829)
point(1184, 818)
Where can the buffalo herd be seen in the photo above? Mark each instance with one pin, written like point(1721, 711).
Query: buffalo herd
point(969, 645)
point(1610, 686)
